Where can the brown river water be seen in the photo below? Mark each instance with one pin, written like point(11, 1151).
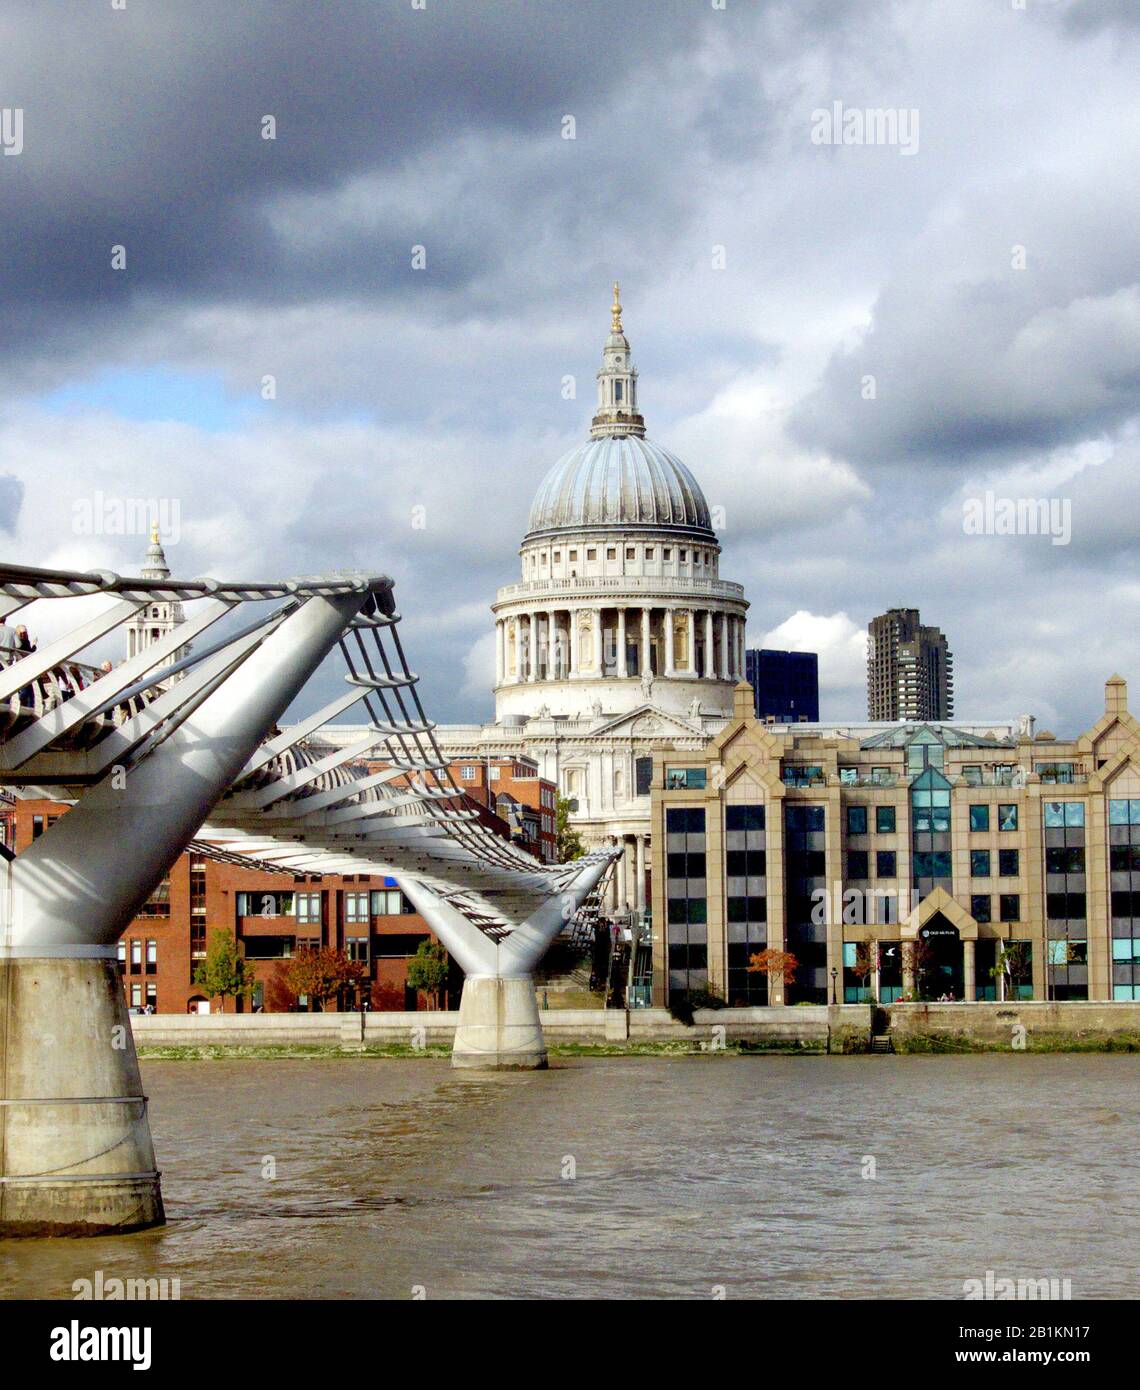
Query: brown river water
point(616, 1177)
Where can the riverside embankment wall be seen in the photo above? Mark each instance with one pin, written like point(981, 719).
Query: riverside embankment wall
point(807, 1023)
point(980, 1024)
point(998, 1024)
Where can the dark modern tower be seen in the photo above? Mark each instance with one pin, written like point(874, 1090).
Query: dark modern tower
point(785, 684)
point(910, 671)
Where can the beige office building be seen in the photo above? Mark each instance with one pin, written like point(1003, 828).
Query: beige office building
point(916, 860)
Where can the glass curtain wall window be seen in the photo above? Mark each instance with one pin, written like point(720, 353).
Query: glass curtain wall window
point(1124, 895)
point(746, 902)
point(687, 900)
point(805, 868)
point(931, 858)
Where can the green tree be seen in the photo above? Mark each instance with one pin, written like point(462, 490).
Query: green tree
point(225, 971)
point(427, 970)
point(570, 844)
point(1012, 968)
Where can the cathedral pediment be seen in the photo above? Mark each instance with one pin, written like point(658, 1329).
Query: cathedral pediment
point(648, 721)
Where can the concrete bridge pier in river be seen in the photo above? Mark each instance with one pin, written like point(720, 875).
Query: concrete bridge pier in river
point(179, 746)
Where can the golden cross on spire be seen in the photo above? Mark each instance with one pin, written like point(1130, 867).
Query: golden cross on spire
point(615, 310)
point(154, 533)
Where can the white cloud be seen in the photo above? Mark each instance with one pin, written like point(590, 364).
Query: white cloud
point(479, 674)
point(842, 648)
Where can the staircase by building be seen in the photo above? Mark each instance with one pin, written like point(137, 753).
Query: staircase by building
point(881, 1040)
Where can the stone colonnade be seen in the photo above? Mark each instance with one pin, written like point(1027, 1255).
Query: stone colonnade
point(627, 886)
point(581, 642)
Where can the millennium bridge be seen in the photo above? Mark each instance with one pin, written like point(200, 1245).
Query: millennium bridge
point(169, 750)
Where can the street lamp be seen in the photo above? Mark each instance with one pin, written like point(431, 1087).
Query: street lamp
point(834, 977)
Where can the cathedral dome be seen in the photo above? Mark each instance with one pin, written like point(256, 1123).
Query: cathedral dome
point(620, 481)
point(620, 601)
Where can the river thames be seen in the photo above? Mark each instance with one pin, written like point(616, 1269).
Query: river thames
point(762, 1177)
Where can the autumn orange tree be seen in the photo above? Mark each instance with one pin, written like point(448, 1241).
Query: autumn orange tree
point(322, 973)
point(866, 960)
point(777, 965)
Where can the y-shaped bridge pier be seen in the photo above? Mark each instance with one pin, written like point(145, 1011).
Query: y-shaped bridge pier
point(168, 749)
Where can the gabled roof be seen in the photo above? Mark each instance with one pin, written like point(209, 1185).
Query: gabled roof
point(946, 734)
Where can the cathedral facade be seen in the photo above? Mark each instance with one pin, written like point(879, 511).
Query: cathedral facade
point(620, 638)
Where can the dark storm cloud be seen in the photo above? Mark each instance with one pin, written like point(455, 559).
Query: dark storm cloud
point(441, 395)
point(142, 128)
point(973, 356)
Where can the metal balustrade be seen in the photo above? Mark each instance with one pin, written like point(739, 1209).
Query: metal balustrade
point(290, 803)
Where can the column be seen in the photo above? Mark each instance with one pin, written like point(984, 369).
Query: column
point(710, 650)
point(621, 643)
point(572, 639)
point(968, 971)
point(597, 621)
point(532, 646)
point(620, 875)
point(669, 668)
point(907, 969)
point(552, 671)
point(498, 652)
point(639, 886)
point(644, 660)
point(724, 646)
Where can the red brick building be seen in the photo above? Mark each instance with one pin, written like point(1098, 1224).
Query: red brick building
point(526, 801)
point(274, 915)
point(271, 915)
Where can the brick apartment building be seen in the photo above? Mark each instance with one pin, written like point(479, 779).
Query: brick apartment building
point(526, 801)
point(274, 915)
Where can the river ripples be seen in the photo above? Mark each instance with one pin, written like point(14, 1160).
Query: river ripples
point(768, 1177)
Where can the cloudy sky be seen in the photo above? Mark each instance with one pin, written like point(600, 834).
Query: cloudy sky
point(845, 341)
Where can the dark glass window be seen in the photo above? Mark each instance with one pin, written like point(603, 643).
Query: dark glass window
point(1010, 907)
point(744, 818)
point(857, 864)
point(885, 820)
point(687, 906)
point(804, 818)
point(739, 863)
point(805, 868)
point(980, 907)
point(856, 820)
point(979, 863)
point(1007, 863)
point(979, 817)
point(1071, 859)
point(885, 863)
point(1007, 816)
